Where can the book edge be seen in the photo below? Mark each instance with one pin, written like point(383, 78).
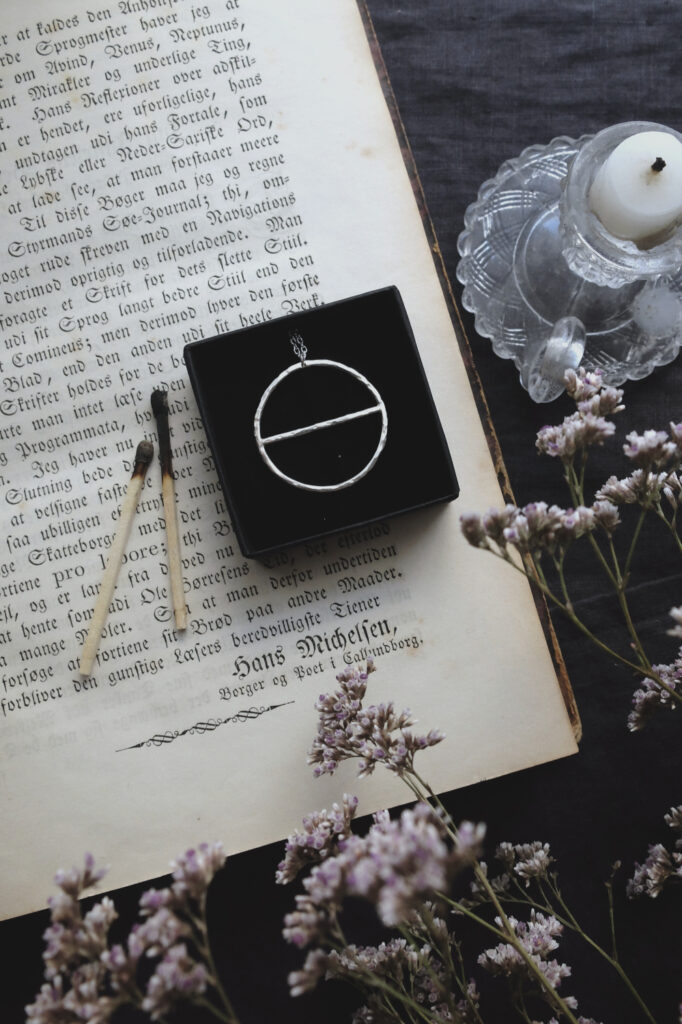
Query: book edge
point(563, 680)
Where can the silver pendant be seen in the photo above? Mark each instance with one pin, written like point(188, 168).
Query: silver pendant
point(376, 409)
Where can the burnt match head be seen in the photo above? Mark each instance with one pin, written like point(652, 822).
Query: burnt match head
point(143, 456)
point(160, 410)
point(160, 403)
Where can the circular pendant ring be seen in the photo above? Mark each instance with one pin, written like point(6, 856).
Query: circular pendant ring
point(262, 442)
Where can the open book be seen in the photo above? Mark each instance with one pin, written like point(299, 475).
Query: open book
point(173, 170)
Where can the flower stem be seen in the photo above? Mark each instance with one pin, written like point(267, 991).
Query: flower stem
point(217, 1013)
point(508, 934)
point(633, 543)
point(671, 524)
point(575, 486)
point(618, 579)
point(204, 945)
point(373, 980)
point(571, 921)
point(568, 611)
point(621, 584)
point(612, 917)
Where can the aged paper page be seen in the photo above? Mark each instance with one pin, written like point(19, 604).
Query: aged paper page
point(170, 171)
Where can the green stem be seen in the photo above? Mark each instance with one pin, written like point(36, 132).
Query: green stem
point(522, 1009)
point(559, 565)
point(575, 926)
point(208, 1005)
point(463, 982)
point(633, 543)
point(612, 916)
point(671, 524)
point(575, 486)
point(508, 934)
point(426, 965)
point(204, 945)
point(568, 919)
point(617, 578)
point(373, 980)
point(570, 614)
point(621, 584)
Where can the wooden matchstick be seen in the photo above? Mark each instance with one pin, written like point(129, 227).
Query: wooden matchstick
point(160, 410)
point(143, 456)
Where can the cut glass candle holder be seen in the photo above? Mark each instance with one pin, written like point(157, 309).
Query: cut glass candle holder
point(551, 287)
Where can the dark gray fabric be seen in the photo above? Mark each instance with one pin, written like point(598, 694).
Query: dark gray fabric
point(476, 82)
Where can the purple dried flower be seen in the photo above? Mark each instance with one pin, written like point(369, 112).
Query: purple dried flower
point(193, 872)
point(497, 520)
point(650, 450)
point(587, 426)
point(676, 615)
point(176, 977)
point(640, 488)
point(406, 967)
point(48, 1007)
point(313, 970)
point(582, 385)
point(539, 527)
point(650, 696)
point(321, 834)
point(153, 899)
point(309, 923)
point(122, 965)
point(574, 523)
point(538, 936)
point(472, 529)
point(650, 877)
point(674, 819)
point(527, 860)
point(676, 438)
point(402, 862)
point(375, 735)
point(74, 947)
point(76, 881)
point(606, 403)
point(577, 432)
point(87, 980)
point(160, 931)
point(556, 441)
point(479, 530)
point(534, 527)
point(469, 841)
point(397, 865)
point(672, 489)
point(606, 515)
point(661, 865)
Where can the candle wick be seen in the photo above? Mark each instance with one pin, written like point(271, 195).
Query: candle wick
point(658, 164)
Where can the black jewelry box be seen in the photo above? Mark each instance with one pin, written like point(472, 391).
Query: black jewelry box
point(345, 386)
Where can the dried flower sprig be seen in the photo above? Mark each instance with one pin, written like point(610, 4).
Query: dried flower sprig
point(88, 980)
point(662, 866)
point(538, 535)
point(374, 735)
point(406, 868)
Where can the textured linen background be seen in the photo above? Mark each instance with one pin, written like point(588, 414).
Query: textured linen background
point(476, 82)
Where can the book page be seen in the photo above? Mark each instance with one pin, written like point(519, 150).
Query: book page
point(172, 170)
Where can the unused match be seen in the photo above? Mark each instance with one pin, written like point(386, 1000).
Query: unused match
point(143, 456)
point(160, 410)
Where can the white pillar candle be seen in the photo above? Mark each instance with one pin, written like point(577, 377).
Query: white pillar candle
point(637, 192)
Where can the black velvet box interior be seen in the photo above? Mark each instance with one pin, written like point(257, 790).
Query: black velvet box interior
point(370, 336)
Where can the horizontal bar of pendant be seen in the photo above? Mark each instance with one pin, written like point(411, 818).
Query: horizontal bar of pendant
point(321, 425)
